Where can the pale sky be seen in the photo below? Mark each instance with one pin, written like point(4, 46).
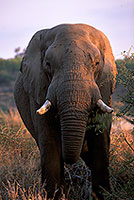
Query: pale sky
point(19, 20)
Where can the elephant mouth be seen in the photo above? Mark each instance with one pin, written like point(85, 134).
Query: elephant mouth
point(72, 130)
point(47, 105)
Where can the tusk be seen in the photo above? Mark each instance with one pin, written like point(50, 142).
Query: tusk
point(104, 107)
point(46, 106)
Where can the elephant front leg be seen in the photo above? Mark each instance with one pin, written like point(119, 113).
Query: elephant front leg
point(98, 161)
point(52, 165)
point(97, 155)
point(52, 170)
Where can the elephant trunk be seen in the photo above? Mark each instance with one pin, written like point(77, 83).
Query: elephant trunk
point(72, 136)
point(73, 101)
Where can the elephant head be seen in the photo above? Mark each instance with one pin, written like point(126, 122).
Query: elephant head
point(62, 70)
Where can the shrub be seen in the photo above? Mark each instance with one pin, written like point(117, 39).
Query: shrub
point(126, 79)
point(9, 69)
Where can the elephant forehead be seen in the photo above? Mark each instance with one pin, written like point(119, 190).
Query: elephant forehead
point(71, 31)
point(71, 50)
point(78, 32)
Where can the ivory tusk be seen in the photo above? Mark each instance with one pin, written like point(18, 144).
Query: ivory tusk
point(46, 106)
point(104, 107)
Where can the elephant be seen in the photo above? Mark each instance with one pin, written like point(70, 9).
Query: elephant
point(63, 94)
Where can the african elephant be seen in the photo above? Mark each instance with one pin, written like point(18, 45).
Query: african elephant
point(70, 71)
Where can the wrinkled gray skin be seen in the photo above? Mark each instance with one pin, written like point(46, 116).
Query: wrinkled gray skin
point(72, 66)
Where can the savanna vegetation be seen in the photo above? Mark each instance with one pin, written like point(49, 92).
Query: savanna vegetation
point(8, 70)
point(19, 155)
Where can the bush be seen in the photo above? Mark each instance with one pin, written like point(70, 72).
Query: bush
point(125, 78)
point(9, 69)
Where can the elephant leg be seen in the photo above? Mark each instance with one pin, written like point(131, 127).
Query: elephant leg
point(97, 157)
point(52, 165)
point(23, 104)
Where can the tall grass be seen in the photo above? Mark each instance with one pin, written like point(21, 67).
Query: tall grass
point(122, 161)
point(20, 165)
point(19, 159)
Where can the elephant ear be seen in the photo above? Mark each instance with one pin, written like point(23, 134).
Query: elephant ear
point(107, 78)
point(35, 81)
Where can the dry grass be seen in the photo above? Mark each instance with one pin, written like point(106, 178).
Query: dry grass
point(20, 165)
point(19, 160)
point(122, 161)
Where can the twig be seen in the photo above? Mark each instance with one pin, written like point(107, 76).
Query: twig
point(127, 142)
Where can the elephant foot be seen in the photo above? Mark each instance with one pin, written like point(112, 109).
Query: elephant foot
point(94, 197)
point(97, 195)
point(59, 194)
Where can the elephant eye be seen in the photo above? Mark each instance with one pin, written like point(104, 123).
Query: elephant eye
point(48, 64)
